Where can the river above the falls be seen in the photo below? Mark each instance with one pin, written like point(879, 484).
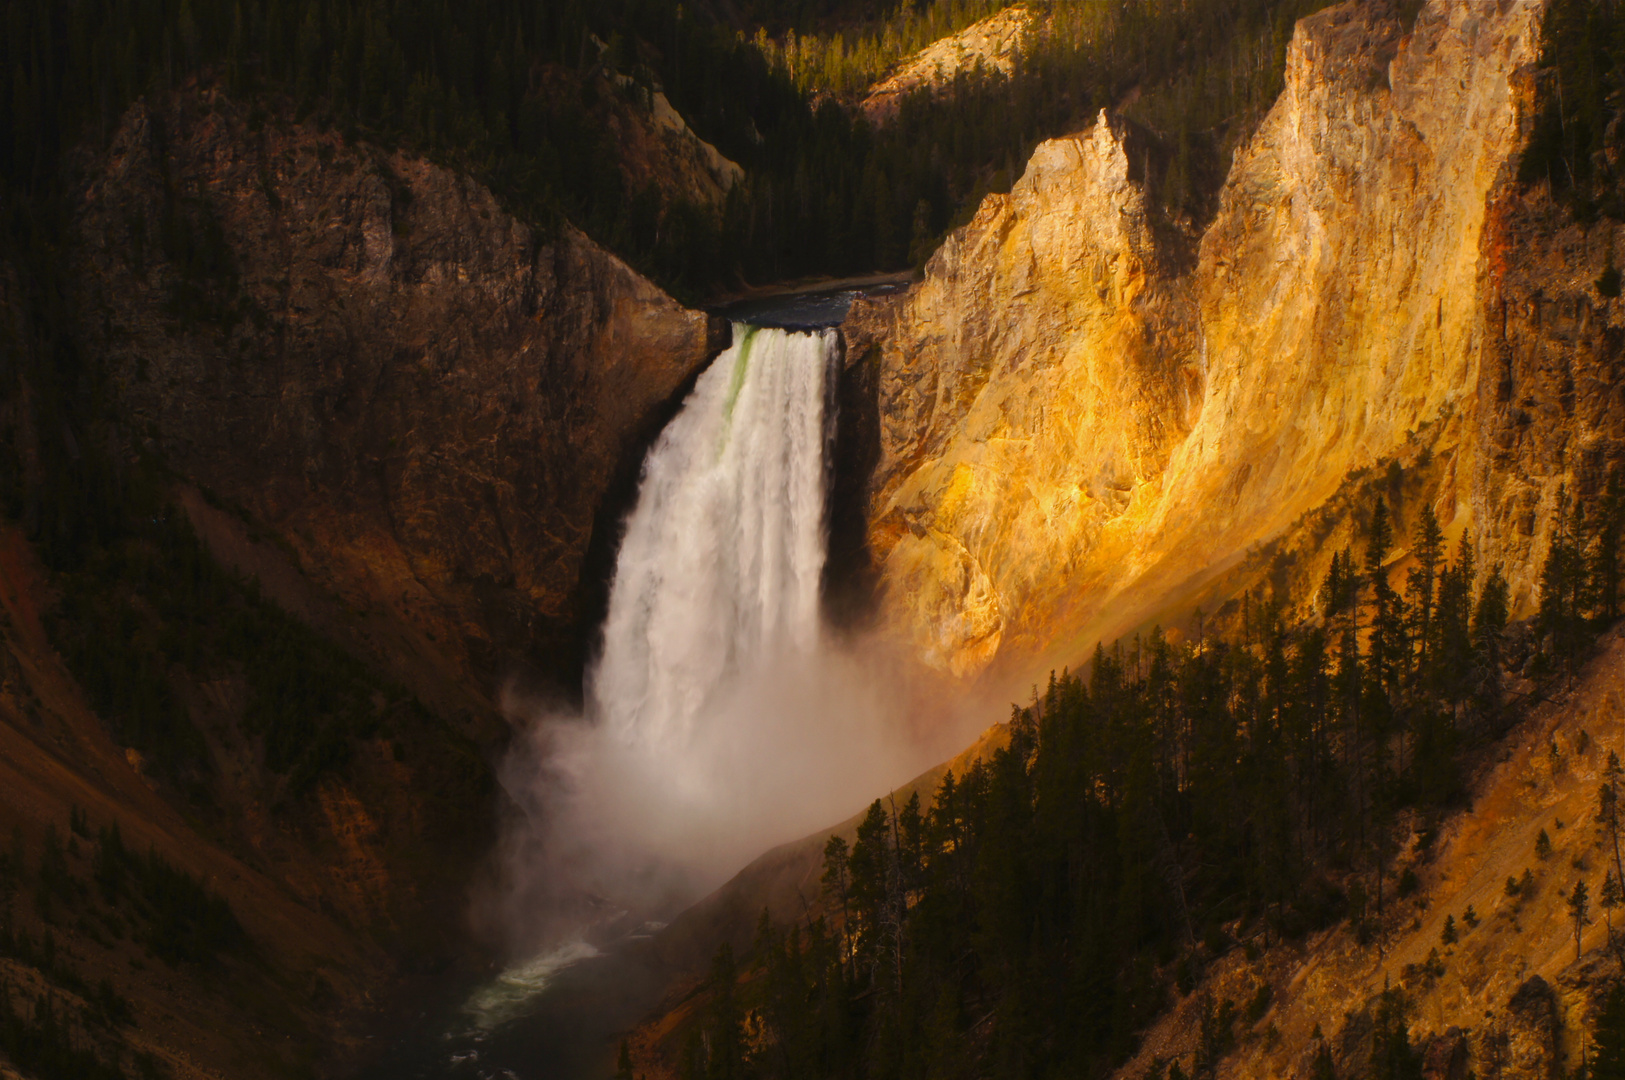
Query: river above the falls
point(811, 307)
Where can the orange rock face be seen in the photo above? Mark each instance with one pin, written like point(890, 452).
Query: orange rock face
point(1082, 422)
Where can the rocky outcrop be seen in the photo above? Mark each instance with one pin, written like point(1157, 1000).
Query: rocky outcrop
point(653, 144)
point(1026, 386)
point(1078, 431)
point(989, 46)
point(424, 397)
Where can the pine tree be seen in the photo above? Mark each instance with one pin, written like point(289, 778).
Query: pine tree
point(1488, 629)
point(1608, 808)
point(1605, 566)
point(725, 1046)
point(1385, 648)
point(1608, 1041)
point(1324, 1068)
point(1392, 1056)
point(1565, 587)
point(834, 883)
point(1610, 898)
point(1579, 910)
point(1422, 585)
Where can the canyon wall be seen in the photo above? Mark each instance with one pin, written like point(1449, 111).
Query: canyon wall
point(1081, 424)
point(425, 398)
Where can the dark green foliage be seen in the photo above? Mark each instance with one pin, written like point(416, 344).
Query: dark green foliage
point(1579, 912)
point(1579, 582)
point(40, 1041)
point(179, 918)
point(1259, 1004)
point(1392, 1056)
point(1179, 802)
point(1216, 1037)
point(54, 884)
point(1324, 1068)
point(113, 1007)
point(188, 921)
point(152, 601)
point(41, 954)
point(1608, 1041)
point(511, 91)
point(1575, 144)
point(1608, 282)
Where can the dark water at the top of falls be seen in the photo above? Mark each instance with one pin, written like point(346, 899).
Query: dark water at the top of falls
point(810, 309)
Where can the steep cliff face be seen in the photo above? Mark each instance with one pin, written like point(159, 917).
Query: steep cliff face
point(1026, 384)
point(653, 143)
point(424, 397)
point(266, 1008)
point(1551, 377)
point(1078, 431)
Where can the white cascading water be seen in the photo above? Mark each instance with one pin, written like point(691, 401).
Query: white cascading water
point(720, 566)
point(719, 722)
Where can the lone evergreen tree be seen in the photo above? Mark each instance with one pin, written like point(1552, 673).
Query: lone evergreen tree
point(1324, 1067)
point(1608, 808)
point(1610, 898)
point(1579, 908)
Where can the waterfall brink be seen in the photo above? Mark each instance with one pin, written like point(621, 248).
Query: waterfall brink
point(720, 566)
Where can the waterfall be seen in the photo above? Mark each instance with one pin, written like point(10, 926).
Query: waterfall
point(720, 565)
point(719, 721)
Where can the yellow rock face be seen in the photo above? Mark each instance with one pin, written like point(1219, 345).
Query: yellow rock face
point(990, 45)
point(1074, 431)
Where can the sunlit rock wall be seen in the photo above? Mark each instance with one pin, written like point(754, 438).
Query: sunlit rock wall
point(1075, 431)
point(1029, 387)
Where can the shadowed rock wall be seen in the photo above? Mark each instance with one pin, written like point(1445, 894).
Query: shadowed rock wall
point(424, 397)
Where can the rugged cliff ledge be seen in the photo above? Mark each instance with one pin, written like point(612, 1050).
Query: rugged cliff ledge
point(424, 397)
point(1078, 430)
